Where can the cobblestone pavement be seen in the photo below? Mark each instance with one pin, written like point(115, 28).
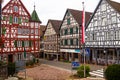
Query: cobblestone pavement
point(45, 72)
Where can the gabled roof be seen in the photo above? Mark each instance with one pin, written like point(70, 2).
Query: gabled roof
point(113, 4)
point(42, 30)
point(78, 15)
point(55, 24)
point(21, 4)
point(34, 17)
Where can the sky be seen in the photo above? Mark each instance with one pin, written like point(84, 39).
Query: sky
point(55, 9)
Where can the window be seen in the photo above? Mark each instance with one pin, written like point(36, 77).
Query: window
point(68, 21)
point(15, 19)
point(114, 19)
point(15, 9)
point(32, 31)
point(68, 41)
point(69, 31)
point(74, 41)
point(19, 43)
point(104, 21)
point(36, 31)
point(19, 30)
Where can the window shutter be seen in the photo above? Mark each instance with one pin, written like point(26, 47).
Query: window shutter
point(71, 41)
point(68, 21)
point(66, 42)
point(4, 18)
point(22, 43)
point(71, 30)
point(77, 30)
point(10, 20)
point(77, 42)
point(15, 43)
point(19, 20)
point(3, 30)
point(66, 31)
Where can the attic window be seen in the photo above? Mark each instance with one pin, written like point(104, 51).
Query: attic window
point(68, 21)
point(15, 9)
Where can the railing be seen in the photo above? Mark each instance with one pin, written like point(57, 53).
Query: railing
point(3, 72)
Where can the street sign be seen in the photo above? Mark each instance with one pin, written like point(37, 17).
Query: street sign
point(75, 64)
point(87, 50)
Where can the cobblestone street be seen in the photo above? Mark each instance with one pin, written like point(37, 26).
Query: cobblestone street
point(45, 72)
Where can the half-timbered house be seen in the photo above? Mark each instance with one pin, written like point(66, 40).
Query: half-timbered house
point(20, 32)
point(103, 33)
point(70, 35)
point(51, 39)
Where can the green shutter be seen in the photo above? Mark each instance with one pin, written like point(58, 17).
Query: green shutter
point(76, 29)
point(3, 30)
point(71, 30)
point(19, 20)
point(68, 21)
point(77, 42)
point(66, 42)
point(71, 41)
point(15, 43)
point(4, 18)
point(22, 43)
point(10, 19)
point(66, 31)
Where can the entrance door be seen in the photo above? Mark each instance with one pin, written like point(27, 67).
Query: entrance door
point(10, 58)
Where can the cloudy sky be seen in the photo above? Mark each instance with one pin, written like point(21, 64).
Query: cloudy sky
point(55, 9)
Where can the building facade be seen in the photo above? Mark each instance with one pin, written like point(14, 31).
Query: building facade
point(103, 33)
point(51, 39)
point(18, 32)
point(70, 35)
point(42, 31)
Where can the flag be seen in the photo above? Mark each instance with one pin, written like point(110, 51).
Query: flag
point(83, 25)
point(24, 53)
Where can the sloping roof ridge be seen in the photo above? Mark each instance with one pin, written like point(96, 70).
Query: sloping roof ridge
point(114, 4)
point(56, 24)
point(21, 4)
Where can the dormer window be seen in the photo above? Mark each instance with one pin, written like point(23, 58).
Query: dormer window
point(15, 9)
